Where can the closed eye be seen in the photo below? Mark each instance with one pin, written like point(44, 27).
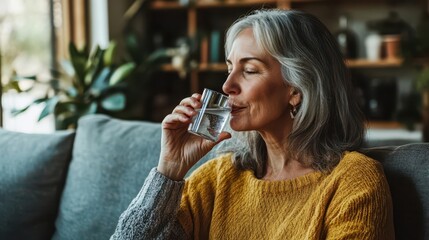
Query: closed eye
point(250, 71)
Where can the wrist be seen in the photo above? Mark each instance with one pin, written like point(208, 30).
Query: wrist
point(172, 170)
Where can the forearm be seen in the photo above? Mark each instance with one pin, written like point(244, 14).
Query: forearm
point(152, 214)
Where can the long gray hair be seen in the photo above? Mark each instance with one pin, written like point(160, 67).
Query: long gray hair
point(329, 120)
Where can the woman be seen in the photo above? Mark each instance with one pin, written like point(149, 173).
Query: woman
point(291, 170)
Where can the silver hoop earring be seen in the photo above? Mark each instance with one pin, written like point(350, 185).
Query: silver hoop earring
point(293, 112)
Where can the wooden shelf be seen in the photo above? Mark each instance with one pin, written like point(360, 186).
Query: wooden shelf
point(162, 4)
point(233, 3)
point(364, 63)
point(384, 125)
point(166, 5)
point(359, 63)
point(159, 4)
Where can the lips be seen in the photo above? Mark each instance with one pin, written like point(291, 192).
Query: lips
point(235, 109)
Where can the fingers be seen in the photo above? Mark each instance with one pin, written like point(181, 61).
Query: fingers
point(184, 112)
point(188, 111)
point(193, 101)
point(176, 117)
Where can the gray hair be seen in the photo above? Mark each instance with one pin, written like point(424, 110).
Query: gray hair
point(329, 120)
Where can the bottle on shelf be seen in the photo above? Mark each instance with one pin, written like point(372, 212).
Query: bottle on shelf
point(373, 44)
point(346, 39)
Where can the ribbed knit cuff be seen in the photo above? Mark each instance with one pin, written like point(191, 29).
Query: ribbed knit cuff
point(153, 210)
point(160, 193)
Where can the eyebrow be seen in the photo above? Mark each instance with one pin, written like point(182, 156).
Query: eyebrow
point(246, 59)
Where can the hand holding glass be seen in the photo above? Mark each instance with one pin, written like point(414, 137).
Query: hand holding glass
point(212, 116)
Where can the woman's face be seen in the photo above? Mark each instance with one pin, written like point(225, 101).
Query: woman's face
point(260, 96)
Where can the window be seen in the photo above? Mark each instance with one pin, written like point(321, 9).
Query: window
point(32, 43)
point(25, 48)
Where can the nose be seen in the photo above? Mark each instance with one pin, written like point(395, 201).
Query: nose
point(231, 86)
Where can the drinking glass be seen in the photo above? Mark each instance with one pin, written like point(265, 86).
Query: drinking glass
point(212, 116)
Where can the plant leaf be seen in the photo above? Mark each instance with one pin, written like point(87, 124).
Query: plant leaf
point(114, 102)
point(121, 73)
point(22, 83)
point(67, 66)
point(66, 108)
point(67, 122)
point(133, 9)
point(157, 55)
point(109, 54)
point(93, 65)
point(102, 81)
point(85, 109)
point(26, 85)
point(19, 78)
point(40, 100)
point(69, 113)
point(49, 107)
point(12, 85)
point(153, 61)
point(133, 48)
point(78, 60)
point(93, 56)
point(71, 92)
point(15, 112)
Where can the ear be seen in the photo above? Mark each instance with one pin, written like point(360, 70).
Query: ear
point(295, 97)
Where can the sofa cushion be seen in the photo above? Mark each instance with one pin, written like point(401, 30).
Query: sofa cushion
point(407, 171)
point(111, 159)
point(33, 169)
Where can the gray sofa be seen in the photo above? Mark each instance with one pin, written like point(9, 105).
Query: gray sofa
point(74, 185)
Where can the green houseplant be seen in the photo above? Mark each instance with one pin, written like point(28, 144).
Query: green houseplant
point(89, 82)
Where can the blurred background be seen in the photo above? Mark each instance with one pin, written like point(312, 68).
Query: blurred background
point(135, 59)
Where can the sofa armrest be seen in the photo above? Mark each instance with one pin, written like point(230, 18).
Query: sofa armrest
point(407, 171)
point(33, 168)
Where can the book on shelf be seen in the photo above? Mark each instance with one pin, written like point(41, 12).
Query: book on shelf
point(215, 44)
point(204, 50)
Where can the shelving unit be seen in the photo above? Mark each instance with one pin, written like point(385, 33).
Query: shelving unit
point(174, 20)
point(199, 18)
point(199, 13)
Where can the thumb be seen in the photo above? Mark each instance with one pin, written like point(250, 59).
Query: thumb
point(223, 136)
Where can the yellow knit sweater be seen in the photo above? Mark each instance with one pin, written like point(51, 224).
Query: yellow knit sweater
point(351, 202)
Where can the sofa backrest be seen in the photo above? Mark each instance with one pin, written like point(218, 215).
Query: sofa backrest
point(110, 161)
point(407, 171)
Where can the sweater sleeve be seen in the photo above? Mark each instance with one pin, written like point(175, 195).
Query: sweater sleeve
point(362, 207)
point(153, 213)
